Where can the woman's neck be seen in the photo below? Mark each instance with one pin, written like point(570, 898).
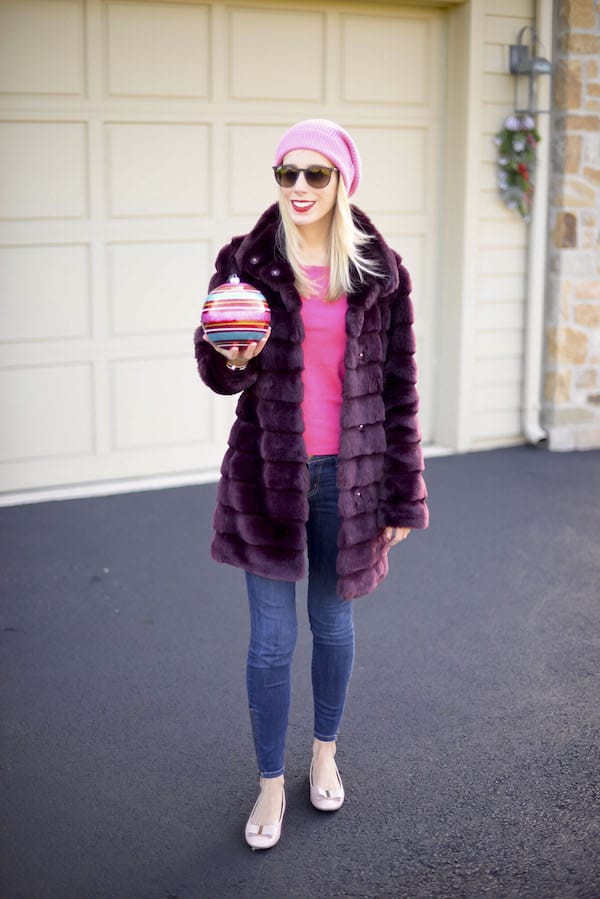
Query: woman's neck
point(320, 257)
point(315, 243)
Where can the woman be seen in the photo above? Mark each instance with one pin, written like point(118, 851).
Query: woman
point(324, 458)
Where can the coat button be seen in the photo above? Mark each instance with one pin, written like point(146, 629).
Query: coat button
point(254, 260)
point(275, 272)
point(358, 493)
point(361, 427)
point(361, 355)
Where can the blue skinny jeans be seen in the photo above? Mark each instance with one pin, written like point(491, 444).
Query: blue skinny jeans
point(274, 628)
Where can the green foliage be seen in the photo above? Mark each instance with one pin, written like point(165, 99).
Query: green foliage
point(517, 142)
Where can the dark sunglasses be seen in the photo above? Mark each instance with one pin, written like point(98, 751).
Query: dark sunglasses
point(314, 175)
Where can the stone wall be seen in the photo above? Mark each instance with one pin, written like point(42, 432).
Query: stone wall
point(572, 365)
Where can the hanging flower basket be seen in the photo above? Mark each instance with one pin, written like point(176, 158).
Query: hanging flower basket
point(517, 143)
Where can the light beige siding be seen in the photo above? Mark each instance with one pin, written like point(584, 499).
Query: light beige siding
point(500, 281)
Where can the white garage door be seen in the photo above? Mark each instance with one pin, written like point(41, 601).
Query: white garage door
point(135, 139)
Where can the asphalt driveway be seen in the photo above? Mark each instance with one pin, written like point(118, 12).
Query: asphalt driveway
point(470, 748)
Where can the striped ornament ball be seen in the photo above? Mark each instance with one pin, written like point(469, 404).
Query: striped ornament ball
point(235, 314)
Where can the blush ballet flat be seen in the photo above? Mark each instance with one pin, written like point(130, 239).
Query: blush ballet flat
point(264, 836)
point(326, 800)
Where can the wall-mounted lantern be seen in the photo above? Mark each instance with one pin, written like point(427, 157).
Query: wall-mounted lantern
point(527, 68)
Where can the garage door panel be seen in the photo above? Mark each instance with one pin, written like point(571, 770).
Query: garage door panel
point(48, 184)
point(42, 47)
point(158, 169)
point(46, 411)
point(262, 42)
point(45, 292)
point(154, 287)
point(396, 162)
point(172, 57)
point(251, 182)
point(402, 48)
point(156, 403)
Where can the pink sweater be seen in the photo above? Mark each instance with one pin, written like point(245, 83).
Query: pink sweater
point(323, 376)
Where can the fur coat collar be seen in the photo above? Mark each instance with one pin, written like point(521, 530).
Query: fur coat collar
point(257, 251)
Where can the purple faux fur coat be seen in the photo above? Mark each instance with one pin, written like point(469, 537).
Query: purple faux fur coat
point(262, 506)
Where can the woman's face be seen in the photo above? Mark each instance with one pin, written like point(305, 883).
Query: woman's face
point(309, 205)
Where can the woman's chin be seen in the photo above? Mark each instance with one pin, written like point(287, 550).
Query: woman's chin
point(303, 218)
point(316, 216)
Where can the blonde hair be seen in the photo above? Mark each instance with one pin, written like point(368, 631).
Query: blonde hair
point(347, 262)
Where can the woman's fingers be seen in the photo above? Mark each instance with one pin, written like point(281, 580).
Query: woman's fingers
point(395, 535)
point(235, 355)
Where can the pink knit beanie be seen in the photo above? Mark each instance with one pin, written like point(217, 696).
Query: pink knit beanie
point(327, 138)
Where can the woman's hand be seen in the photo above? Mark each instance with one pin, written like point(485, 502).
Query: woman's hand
point(395, 535)
point(241, 359)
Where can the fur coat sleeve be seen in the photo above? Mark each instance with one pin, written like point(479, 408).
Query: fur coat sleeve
point(402, 494)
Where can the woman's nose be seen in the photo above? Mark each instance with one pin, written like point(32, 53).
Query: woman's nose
point(301, 184)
